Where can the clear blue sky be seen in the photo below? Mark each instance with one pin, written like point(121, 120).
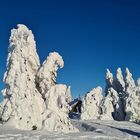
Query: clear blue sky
point(91, 35)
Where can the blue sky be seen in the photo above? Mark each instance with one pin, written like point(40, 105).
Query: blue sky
point(91, 35)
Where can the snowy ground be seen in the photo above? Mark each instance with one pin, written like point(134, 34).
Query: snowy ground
point(99, 130)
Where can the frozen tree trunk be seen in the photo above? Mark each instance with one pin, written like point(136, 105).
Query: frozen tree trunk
point(90, 105)
point(23, 103)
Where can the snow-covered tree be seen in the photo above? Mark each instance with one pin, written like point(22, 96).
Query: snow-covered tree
point(129, 83)
point(106, 106)
point(115, 91)
point(23, 104)
point(112, 106)
point(90, 104)
point(47, 73)
point(119, 86)
point(56, 116)
point(56, 96)
point(109, 80)
point(119, 83)
point(128, 99)
point(132, 99)
point(132, 107)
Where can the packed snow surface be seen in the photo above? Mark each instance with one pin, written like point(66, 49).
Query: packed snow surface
point(88, 130)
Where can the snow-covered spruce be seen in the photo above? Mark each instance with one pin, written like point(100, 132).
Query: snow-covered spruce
point(129, 83)
point(119, 84)
point(109, 80)
point(23, 104)
point(47, 73)
point(90, 104)
point(56, 96)
point(132, 99)
point(126, 94)
point(112, 106)
point(56, 116)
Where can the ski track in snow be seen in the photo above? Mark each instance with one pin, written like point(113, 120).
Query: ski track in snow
point(95, 129)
